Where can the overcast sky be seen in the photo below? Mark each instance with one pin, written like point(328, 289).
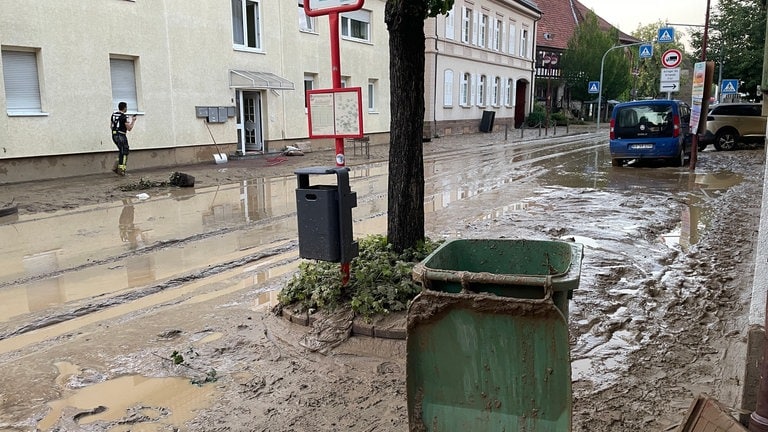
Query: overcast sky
point(629, 15)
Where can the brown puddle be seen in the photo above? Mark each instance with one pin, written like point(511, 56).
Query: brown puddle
point(130, 402)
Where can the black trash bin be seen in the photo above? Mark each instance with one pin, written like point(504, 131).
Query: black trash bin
point(324, 216)
point(486, 123)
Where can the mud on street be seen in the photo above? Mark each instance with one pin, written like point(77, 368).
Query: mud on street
point(659, 317)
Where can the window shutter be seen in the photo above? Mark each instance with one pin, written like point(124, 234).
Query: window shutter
point(503, 37)
point(361, 15)
point(123, 83)
point(449, 24)
point(512, 31)
point(492, 33)
point(22, 89)
point(475, 26)
point(448, 88)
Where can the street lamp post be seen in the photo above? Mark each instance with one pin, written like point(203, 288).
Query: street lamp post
point(600, 85)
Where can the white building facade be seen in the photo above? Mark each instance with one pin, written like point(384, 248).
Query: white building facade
point(230, 73)
point(479, 58)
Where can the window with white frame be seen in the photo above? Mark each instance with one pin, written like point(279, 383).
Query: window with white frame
point(123, 74)
point(22, 85)
point(508, 93)
point(497, 34)
point(464, 93)
point(482, 39)
point(495, 91)
point(356, 25)
point(482, 85)
point(449, 24)
point(246, 24)
point(309, 84)
point(512, 33)
point(524, 43)
point(466, 24)
point(372, 95)
point(448, 88)
point(306, 22)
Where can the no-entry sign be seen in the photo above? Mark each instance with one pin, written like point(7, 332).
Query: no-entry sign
point(671, 58)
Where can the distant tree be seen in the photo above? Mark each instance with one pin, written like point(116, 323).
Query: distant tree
point(735, 41)
point(581, 61)
point(646, 83)
point(405, 210)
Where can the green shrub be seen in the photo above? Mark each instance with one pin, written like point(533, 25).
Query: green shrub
point(559, 119)
point(380, 280)
point(537, 116)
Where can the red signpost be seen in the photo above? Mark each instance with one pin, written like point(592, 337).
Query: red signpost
point(333, 8)
point(335, 102)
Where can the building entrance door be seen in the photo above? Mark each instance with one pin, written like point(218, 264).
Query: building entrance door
point(250, 136)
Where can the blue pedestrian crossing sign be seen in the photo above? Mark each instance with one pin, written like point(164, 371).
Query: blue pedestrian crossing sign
point(646, 51)
point(666, 34)
point(729, 86)
point(594, 87)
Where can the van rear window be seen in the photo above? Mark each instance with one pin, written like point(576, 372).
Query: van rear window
point(640, 121)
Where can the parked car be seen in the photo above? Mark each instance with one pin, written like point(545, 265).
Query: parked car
point(650, 129)
point(729, 124)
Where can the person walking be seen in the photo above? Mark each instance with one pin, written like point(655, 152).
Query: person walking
point(121, 124)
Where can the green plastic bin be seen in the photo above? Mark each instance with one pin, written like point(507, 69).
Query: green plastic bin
point(505, 267)
point(487, 338)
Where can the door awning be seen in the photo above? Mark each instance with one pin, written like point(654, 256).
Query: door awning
point(258, 80)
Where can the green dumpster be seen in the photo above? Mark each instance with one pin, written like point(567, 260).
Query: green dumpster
point(487, 338)
point(505, 267)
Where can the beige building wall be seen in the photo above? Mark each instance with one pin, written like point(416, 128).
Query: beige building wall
point(476, 47)
point(183, 55)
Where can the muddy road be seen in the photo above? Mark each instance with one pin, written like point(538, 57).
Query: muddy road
point(100, 287)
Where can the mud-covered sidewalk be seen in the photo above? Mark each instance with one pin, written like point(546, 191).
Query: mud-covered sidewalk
point(654, 323)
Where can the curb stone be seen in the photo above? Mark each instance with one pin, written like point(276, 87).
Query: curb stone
point(391, 326)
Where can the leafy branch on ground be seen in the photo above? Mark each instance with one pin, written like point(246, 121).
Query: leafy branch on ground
point(143, 184)
point(178, 360)
point(174, 179)
point(380, 280)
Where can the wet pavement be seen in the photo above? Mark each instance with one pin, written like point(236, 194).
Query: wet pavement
point(63, 274)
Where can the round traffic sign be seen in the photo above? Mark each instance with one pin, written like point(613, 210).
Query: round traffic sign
point(671, 58)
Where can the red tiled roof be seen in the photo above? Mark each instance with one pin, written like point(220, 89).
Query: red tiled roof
point(559, 21)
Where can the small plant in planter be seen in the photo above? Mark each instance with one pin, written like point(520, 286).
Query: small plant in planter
point(380, 280)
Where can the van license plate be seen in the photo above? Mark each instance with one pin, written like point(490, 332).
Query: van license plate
point(641, 146)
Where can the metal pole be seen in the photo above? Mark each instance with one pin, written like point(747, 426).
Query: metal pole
point(333, 21)
point(758, 421)
point(600, 89)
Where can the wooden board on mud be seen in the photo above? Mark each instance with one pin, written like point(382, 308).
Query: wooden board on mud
point(709, 415)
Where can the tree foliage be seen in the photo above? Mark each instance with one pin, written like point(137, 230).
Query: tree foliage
point(735, 41)
point(649, 70)
point(582, 60)
point(405, 209)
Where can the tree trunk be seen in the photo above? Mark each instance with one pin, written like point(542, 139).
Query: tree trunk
point(405, 22)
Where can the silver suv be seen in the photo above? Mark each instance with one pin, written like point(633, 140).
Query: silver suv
point(733, 123)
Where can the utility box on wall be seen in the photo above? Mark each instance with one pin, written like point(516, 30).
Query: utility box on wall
point(215, 114)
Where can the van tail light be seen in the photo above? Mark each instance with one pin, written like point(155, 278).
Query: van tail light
point(676, 125)
point(613, 125)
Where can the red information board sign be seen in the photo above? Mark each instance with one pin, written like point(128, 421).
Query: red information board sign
point(325, 7)
point(335, 113)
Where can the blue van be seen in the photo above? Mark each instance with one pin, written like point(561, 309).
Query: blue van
point(651, 129)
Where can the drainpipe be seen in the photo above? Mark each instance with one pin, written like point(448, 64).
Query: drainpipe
point(434, 92)
point(758, 421)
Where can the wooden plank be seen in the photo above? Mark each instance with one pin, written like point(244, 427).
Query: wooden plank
point(708, 415)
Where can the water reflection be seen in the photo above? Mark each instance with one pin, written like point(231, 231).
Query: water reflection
point(134, 401)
